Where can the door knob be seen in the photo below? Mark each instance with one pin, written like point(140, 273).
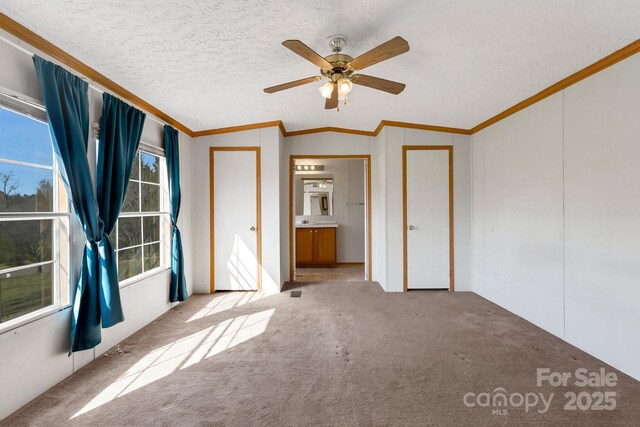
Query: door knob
point(252, 228)
point(411, 227)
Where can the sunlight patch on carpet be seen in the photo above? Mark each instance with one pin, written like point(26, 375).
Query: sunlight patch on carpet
point(181, 354)
point(226, 302)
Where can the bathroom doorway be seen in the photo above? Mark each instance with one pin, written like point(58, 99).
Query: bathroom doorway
point(329, 218)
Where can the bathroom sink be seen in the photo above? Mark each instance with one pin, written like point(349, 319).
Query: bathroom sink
point(313, 224)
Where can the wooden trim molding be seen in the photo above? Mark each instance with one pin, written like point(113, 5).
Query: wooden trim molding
point(609, 60)
point(239, 128)
point(212, 151)
point(374, 132)
point(38, 42)
point(432, 128)
point(292, 159)
point(328, 129)
point(405, 149)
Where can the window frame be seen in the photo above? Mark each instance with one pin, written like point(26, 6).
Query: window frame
point(163, 215)
point(60, 217)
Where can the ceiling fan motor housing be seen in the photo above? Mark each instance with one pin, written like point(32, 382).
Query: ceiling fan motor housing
point(340, 69)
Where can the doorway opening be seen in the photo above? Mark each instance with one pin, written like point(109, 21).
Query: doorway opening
point(329, 218)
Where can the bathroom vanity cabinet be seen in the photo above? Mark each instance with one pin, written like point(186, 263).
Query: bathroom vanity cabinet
point(316, 247)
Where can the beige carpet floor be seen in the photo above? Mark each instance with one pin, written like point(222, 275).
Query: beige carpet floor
point(341, 354)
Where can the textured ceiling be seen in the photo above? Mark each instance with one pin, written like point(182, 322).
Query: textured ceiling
point(205, 62)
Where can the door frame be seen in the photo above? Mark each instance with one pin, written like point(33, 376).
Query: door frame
point(294, 157)
point(405, 149)
point(212, 151)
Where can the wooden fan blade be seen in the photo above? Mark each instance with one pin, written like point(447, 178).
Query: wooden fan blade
point(378, 83)
point(332, 102)
point(289, 85)
point(307, 53)
point(394, 47)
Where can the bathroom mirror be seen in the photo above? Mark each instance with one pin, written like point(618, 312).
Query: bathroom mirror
point(314, 196)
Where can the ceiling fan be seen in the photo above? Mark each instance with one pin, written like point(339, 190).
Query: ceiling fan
point(340, 69)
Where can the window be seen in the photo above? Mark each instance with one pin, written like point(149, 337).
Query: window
point(34, 229)
point(139, 234)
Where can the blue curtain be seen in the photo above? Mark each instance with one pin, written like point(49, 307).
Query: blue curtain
point(67, 104)
point(120, 132)
point(97, 298)
point(178, 288)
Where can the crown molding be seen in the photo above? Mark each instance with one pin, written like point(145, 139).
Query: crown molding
point(329, 129)
point(241, 128)
point(609, 60)
point(432, 128)
point(40, 43)
point(374, 132)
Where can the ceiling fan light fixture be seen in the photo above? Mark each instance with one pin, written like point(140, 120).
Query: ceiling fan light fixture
point(326, 89)
point(344, 86)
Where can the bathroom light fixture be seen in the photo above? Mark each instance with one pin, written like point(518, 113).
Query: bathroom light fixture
point(308, 168)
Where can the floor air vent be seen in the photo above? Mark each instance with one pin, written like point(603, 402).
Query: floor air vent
point(296, 294)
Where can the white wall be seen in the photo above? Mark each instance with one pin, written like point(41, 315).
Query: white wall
point(556, 226)
point(268, 139)
point(602, 215)
point(379, 208)
point(329, 143)
point(522, 211)
point(34, 356)
point(284, 208)
point(462, 212)
point(353, 246)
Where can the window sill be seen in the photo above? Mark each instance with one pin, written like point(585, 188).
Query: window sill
point(135, 279)
point(25, 320)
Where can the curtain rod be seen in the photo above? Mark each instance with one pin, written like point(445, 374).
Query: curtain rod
point(89, 81)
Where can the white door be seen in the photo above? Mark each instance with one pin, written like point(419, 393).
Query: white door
point(427, 208)
point(235, 221)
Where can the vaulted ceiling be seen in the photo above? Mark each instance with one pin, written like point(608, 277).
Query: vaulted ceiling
point(205, 62)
